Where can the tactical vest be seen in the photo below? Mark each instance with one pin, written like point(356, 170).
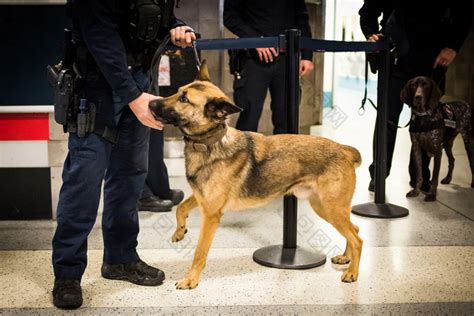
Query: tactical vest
point(141, 22)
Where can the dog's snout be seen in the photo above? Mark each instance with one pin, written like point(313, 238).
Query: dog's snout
point(156, 107)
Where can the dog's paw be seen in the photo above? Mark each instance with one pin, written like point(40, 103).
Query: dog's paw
point(446, 180)
point(413, 193)
point(430, 198)
point(179, 234)
point(186, 284)
point(340, 259)
point(349, 276)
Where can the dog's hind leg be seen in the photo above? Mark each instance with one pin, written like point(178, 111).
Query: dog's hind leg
point(209, 224)
point(448, 148)
point(332, 203)
point(182, 213)
point(469, 144)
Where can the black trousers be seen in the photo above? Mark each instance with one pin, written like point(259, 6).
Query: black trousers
point(157, 182)
point(251, 89)
point(418, 65)
point(122, 167)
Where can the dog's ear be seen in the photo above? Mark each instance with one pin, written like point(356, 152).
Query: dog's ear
point(203, 74)
point(221, 108)
point(407, 95)
point(435, 95)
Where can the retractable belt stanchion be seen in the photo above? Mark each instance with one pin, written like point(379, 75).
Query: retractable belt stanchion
point(289, 255)
point(378, 208)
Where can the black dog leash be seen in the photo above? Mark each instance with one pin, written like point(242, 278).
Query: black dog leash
point(155, 62)
point(361, 110)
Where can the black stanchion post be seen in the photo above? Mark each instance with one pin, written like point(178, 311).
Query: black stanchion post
point(380, 209)
point(289, 255)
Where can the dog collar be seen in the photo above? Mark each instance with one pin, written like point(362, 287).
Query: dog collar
point(202, 142)
point(426, 113)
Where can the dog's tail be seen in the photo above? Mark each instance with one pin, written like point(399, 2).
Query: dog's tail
point(353, 154)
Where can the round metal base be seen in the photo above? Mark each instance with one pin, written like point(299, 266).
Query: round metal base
point(379, 210)
point(288, 258)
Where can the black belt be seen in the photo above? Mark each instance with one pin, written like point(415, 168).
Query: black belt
point(109, 134)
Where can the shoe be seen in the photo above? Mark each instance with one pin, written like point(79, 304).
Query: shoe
point(67, 293)
point(137, 273)
point(372, 185)
point(154, 204)
point(176, 196)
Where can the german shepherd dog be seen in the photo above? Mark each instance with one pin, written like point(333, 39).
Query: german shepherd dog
point(434, 126)
point(230, 169)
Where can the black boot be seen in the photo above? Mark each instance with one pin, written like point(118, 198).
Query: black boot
point(176, 196)
point(155, 204)
point(137, 273)
point(67, 293)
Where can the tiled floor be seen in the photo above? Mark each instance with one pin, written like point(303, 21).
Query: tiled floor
point(418, 264)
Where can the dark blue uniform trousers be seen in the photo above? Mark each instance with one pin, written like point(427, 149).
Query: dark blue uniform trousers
point(123, 168)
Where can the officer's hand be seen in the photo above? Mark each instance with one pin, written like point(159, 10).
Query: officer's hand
point(445, 57)
point(267, 54)
point(140, 107)
point(181, 38)
point(306, 66)
point(374, 37)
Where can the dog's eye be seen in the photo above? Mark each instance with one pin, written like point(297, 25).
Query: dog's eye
point(183, 98)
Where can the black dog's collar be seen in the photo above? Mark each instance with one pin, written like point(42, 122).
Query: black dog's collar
point(203, 141)
point(426, 113)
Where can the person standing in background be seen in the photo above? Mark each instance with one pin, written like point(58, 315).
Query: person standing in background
point(263, 69)
point(427, 36)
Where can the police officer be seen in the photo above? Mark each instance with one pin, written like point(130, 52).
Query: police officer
point(263, 69)
point(427, 36)
point(114, 37)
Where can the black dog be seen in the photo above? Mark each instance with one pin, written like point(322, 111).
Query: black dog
point(434, 126)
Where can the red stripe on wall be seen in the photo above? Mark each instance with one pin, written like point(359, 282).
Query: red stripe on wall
point(24, 126)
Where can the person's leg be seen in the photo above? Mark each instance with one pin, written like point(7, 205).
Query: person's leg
point(157, 177)
point(249, 94)
point(124, 180)
point(277, 93)
point(395, 106)
point(83, 172)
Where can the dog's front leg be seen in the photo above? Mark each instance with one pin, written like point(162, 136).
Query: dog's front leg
point(182, 213)
point(416, 151)
point(209, 224)
point(431, 196)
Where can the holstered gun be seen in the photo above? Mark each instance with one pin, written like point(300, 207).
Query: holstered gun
point(62, 78)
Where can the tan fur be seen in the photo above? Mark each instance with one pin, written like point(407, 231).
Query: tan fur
point(247, 169)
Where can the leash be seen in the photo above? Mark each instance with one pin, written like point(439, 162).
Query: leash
point(157, 57)
point(156, 62)
point(361, 110)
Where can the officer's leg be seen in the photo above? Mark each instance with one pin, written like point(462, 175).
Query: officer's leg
point(249, 93)
point(277, 92)
point(157, 178)
point(83, 172)
point(394, 108)
point(124, 182)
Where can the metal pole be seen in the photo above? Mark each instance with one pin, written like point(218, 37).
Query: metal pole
point(289, 255)
point(381, 126)
point(380, 209)
point(290, 203)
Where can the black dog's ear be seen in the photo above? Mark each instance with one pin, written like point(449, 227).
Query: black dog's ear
point(406, 95)
point(203, 74)
point(221, 108)
point(435, 95)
